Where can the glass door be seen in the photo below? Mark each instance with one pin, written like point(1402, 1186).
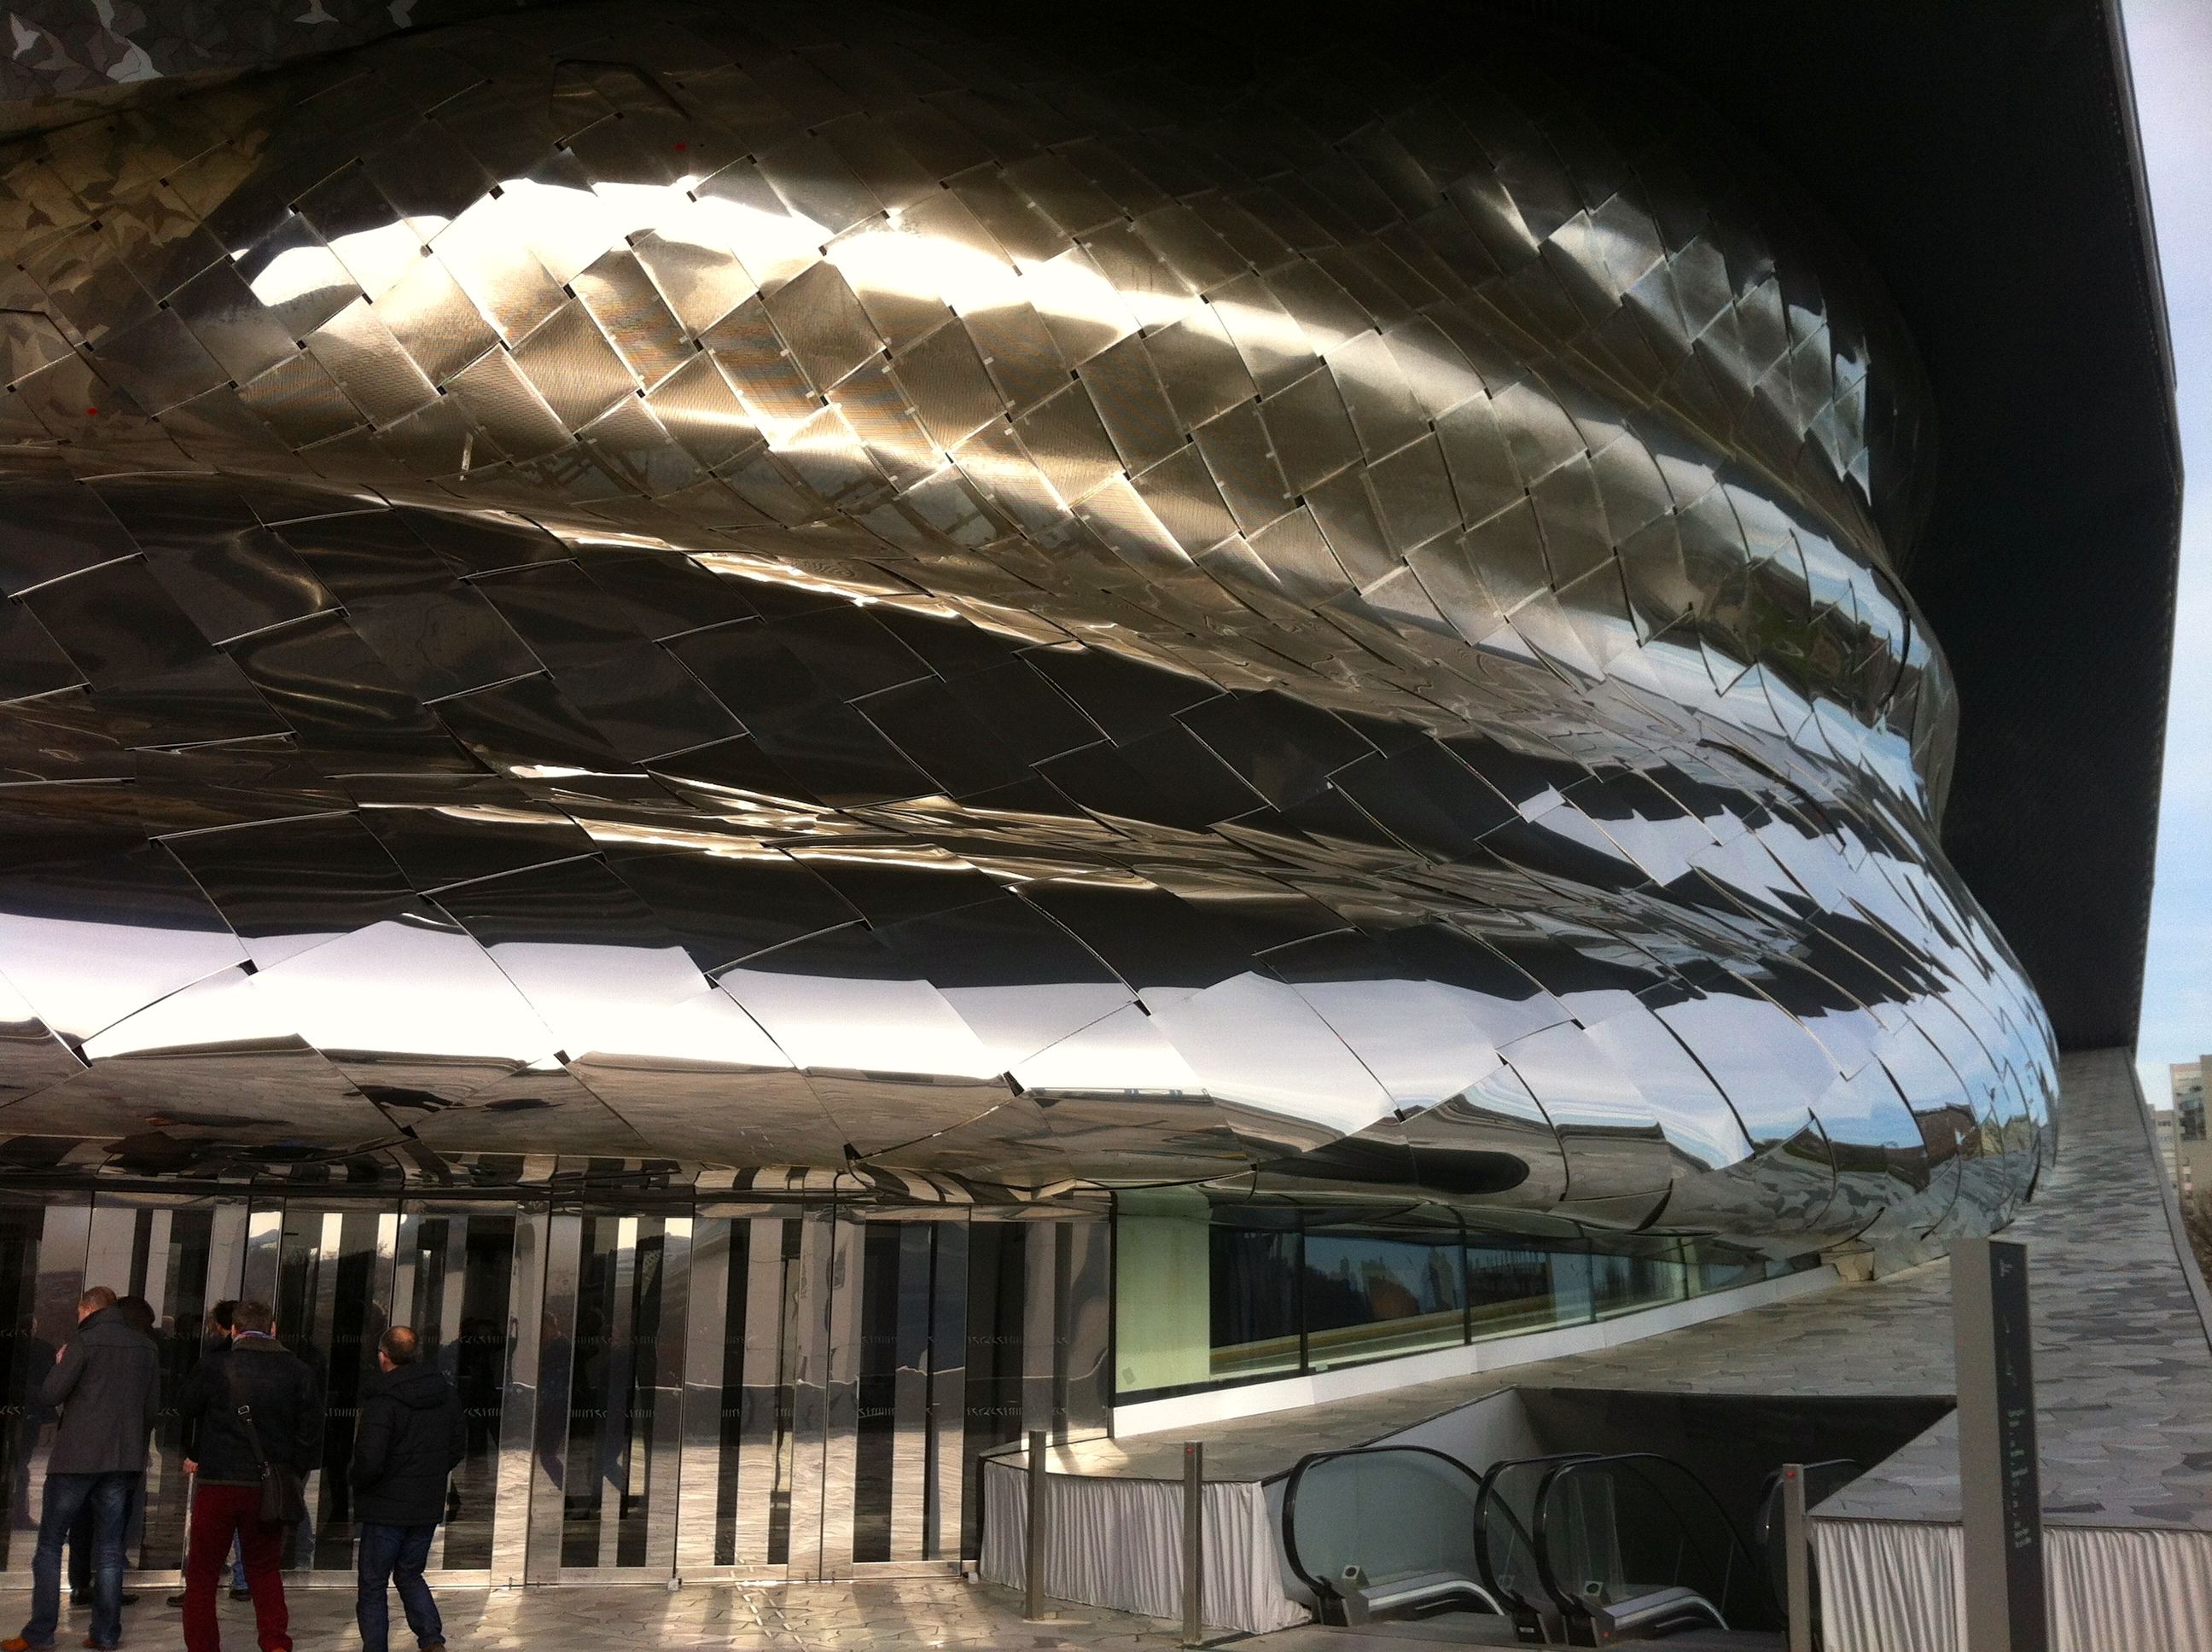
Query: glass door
point(610, 1361)
point(824, 1390)
point(761, 1389)
point(339, 1273)
point(749, 1265)
point(909, 1431)
point(177, 1252)
point(453, 1283)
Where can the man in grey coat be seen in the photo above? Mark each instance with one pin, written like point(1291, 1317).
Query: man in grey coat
point(106, 1379)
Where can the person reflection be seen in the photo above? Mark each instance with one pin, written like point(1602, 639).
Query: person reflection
point(31, 1418)
point(607, 1369)
point(556, 1354)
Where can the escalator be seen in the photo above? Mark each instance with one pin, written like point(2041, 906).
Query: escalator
point(1505, 1546)
point(1384, 1531)
point(1634, 1546)
point(1572, 1548)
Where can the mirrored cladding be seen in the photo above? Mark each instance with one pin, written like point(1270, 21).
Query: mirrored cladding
point(785, 598)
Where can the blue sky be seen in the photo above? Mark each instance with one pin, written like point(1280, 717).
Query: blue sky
point(2170, 45)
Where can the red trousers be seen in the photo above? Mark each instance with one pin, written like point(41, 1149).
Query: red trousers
point(218, 1511)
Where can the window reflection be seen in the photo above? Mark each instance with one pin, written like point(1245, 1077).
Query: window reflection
point(1370, 1295)
point(1285, 1290)
point(1516, 1288)
point(1255, 1309)
point(1622, 1282)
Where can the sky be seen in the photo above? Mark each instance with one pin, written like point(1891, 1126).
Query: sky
point(2170, 50)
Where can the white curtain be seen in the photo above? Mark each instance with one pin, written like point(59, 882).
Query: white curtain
point(1892, 1586)
point(1118, 1543)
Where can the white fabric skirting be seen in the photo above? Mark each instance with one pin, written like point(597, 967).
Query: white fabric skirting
point(1892, 1586)
point(1118, 1544)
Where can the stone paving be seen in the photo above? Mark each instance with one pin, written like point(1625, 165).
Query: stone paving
point(902, 1613)
point(2123, 1352)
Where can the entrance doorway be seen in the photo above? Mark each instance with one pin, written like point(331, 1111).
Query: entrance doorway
point(716, 1387)
point(793, 1389)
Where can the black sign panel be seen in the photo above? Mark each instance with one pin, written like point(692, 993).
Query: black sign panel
point(2020, 1482)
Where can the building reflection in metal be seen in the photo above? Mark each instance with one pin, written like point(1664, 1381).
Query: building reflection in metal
point(660, 585)
point(822, 1371)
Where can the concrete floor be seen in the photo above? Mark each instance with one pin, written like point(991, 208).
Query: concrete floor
point(895, 1613)
point(911, 1612)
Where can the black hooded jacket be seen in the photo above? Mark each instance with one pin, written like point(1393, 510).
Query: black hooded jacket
point(285, 1398)
point(410, 1438)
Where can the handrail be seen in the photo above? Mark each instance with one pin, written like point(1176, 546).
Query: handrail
point(1772, 1484)
point(1323, 1589)
point(1630, 1461)
point(1488, 1500)
point(1820, 1479)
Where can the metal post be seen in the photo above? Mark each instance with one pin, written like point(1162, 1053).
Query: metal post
point(1194, 1541)
point(1033, 1599)
point(1798, 1562)
point(2000, 1498)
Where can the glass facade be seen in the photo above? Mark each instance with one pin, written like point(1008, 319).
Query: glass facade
point(664, 1387)
point(1290, 1291)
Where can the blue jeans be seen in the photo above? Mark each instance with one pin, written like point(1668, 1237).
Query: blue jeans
point(396, 1554)
point(110, 1496)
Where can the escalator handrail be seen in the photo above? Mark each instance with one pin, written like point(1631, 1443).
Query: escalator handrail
point(1766, 1522)
point(1488, 1501)
point(1773, 1481)
point(1323, 1589)
point(1573, 1604)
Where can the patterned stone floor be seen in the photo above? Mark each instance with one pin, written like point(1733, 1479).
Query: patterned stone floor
point(2123, 1357)
point(907, 1612)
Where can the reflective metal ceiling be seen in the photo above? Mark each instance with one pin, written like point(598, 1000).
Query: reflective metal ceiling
point(764, 589)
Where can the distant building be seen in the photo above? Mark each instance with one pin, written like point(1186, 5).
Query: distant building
point(2188, 1152)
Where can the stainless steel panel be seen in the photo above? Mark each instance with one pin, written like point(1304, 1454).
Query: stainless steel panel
point(524, 1404)
point(708, 1376)
point(551, 1470)
point(806, 1359)
point(768, 1370)
point(1041, 1279)
point(910, 1398)
point(63, 1237)
point(948, 1391)
point(841, 1377)
point(659, 1438)
point(1479, 632)
point(618, 1471)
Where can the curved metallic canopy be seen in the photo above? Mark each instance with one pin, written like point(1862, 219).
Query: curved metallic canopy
point(665, 582)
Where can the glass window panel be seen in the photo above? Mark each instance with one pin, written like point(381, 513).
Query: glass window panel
point(1622, 1281)
point(1162, 1290)
point(1516, 1288)
point(1254, 1313)
point(1371, 1294)
point(1718, 1268)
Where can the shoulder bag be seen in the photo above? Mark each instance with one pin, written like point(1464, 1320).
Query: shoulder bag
point(283, 1498)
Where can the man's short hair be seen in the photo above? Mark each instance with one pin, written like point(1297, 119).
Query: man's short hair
point(253, 1316)
point(400, 1345)
point(222, 1311)
point(138, 1314)
point(95, 1298)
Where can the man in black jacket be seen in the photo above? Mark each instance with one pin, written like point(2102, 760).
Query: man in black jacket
point(215, 1335)
point(411, 1438)
point(84, 1537)
point(107, 1379)
point(259, 1373)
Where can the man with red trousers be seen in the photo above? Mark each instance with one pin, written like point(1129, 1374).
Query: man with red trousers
point(257, 1371)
